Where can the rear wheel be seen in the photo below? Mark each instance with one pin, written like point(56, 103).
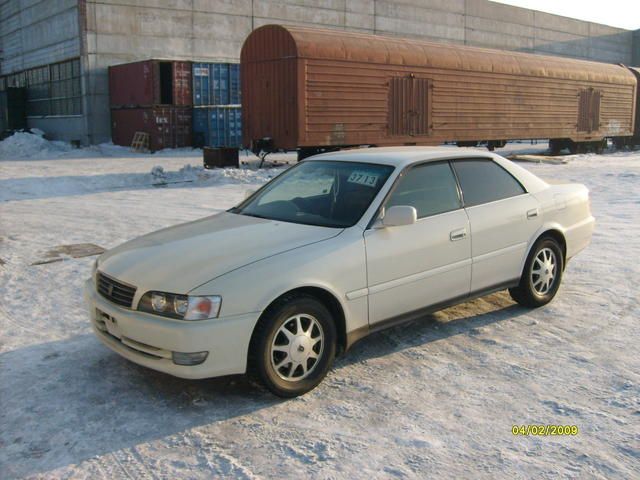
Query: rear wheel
point(293, 346)
point(541, 276)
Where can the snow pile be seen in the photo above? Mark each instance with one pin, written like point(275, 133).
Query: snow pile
point(190, 173)
point(23, 145)
point(108, 149)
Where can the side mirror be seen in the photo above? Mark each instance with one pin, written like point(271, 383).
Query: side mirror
point(248, 193)
point(399, 215)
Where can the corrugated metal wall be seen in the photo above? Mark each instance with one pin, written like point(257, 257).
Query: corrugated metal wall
point(270, 101)
point(168, 126)
point(216, 84)
point(150, 82)
point(465, 105)
point(216, 99)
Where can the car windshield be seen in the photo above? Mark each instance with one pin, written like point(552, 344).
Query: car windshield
point(324, 193)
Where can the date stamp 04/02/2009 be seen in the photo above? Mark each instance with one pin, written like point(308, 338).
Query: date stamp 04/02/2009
point(544, 430)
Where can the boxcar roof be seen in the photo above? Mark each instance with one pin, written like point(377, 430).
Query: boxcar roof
point(271, 42)
point(401, 156)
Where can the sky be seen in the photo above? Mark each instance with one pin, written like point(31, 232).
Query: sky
point(617, 13)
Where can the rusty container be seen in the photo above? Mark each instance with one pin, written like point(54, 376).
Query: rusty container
point(167, 126)
point(308, 87)
point(150, 82)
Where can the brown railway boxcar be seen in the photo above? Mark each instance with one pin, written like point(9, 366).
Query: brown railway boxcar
point(317, 89)
point(636, 72)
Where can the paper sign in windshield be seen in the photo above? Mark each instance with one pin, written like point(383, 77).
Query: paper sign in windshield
point(363, 178)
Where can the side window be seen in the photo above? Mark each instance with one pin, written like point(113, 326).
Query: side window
point(430, 188)
point(484, 181)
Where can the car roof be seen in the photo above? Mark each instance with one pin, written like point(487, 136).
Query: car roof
point(401, 156)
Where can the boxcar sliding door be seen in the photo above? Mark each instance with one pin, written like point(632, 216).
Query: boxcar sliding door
point(409, 106)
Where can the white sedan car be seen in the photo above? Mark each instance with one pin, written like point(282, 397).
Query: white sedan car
point(340, 245)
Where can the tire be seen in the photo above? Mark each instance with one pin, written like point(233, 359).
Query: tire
point(538, 289)
point(305, 331)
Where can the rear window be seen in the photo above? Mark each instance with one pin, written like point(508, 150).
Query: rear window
point(484, 181)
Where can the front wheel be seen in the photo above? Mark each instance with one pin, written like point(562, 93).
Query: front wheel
point(293, 346)
point(541, 276)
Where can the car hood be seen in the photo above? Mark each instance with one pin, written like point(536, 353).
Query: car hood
point(180, 258)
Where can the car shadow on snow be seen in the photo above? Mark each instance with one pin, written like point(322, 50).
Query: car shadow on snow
point(67, 401)
point(464, 319)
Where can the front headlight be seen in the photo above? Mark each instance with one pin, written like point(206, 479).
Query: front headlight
point(182, 307)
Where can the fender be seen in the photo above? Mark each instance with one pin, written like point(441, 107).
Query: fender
point(545, 227)
point(272, 295)
point(354, 323)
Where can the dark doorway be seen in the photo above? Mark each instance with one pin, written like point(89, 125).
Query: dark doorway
point(166, 83)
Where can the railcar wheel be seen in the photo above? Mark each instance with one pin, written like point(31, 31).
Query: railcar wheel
point(541, 276)
point(555, 146)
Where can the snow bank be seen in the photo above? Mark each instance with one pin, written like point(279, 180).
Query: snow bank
point(26, 146)
point(23, 145)
point(108, 149)
point(189, 173)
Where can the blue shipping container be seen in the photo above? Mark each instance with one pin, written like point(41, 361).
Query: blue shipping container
point(234, 84)
point(216, 84)
point(217, 127)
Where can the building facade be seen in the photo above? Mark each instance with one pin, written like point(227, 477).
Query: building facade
point(60, 49)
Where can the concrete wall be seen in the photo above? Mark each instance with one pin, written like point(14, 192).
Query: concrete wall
point(635, 57)
point(118, 31)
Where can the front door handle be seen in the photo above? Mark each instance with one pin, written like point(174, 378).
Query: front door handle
point(533, 213)
point(458, 234)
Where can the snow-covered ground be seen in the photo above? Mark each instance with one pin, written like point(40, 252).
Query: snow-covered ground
point(435, 398)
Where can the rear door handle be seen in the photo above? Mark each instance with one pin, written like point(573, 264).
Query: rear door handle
point(533, 213)
point(458, 234)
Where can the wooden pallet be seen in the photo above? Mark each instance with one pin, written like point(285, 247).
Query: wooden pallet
point(140, 142)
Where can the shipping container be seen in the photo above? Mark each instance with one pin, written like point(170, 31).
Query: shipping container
point(216, 84)
point(235, 91)
point(13, 109)
point(167, 126)
point(219, 126)
point(150, 82)
point(311, 88)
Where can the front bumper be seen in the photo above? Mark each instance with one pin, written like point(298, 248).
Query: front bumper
point(149, 340)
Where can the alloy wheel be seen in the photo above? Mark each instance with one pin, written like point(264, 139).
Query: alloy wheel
point(544, 270)
point(297, 347)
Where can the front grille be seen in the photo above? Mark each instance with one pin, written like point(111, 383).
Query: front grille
point(115, 291)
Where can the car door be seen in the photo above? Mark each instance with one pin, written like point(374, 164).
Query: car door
point(503, 218)
point(414, 266)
